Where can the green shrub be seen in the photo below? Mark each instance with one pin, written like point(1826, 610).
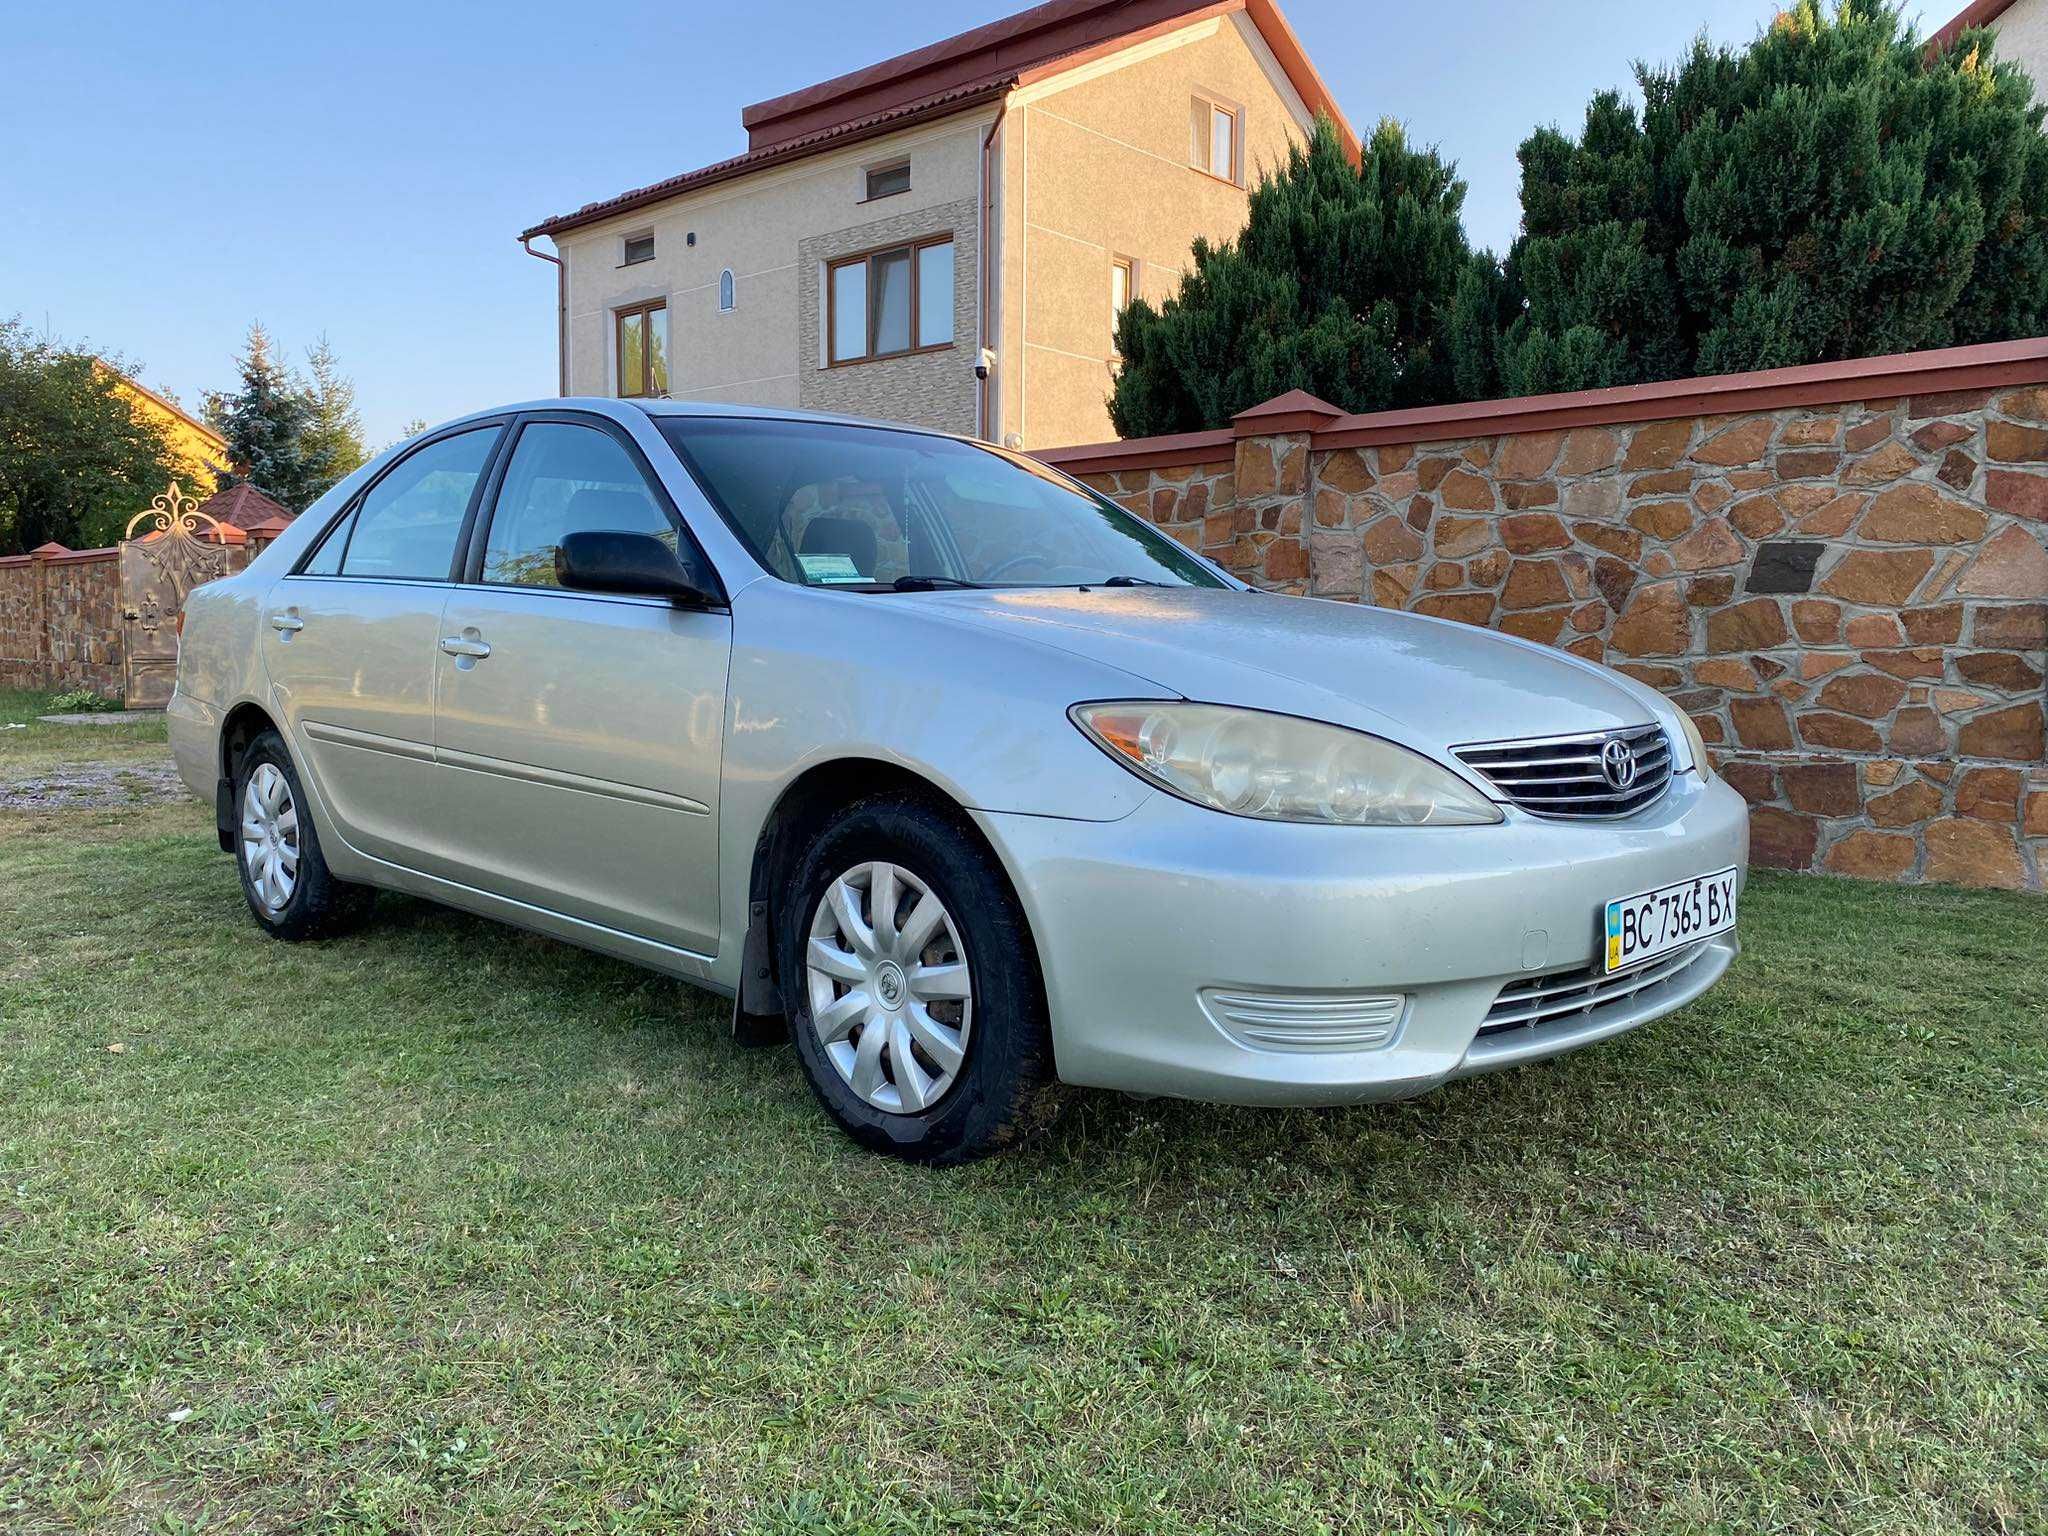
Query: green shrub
point(81, 701)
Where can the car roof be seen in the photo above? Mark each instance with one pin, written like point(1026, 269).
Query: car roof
point(605, 405)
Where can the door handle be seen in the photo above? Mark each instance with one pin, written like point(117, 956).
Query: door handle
point(287, 623)
point(458, 645)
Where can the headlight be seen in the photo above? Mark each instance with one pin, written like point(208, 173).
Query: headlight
point(1279, 768)
point(1697, 743)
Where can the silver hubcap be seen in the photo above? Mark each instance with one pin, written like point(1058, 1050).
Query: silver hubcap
point(270, 837)
point(891, 999)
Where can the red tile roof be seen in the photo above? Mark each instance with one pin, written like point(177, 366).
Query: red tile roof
point(754, 160)
point(954, 74)
point(243, 506)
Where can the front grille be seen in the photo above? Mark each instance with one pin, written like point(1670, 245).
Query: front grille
point(1573, 997)
point(1562, 775)
point(1305, 1021)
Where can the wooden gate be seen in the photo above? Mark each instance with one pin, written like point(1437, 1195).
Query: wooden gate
point(182, 548)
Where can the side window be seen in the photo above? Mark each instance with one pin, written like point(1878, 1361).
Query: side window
point(564, 479)
point(409, 521)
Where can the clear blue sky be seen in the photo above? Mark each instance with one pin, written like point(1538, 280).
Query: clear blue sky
point(172, 172)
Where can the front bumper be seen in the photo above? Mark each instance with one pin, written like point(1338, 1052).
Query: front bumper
point(1143, 924)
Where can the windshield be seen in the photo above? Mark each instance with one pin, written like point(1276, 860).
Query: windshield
point(828, 505)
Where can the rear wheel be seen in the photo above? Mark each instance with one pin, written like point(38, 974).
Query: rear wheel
point(290, 890)
point(915, 998)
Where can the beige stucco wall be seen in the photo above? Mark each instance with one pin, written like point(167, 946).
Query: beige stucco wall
point(1095, 164)
point(766, 351)
point(2023, 40)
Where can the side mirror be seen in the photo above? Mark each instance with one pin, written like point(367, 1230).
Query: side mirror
point(638, 564)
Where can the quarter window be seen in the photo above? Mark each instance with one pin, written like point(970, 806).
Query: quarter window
point(406, 527)
point(564, 479)
point(890, 302)
point(1213, 141)
point(643, 350)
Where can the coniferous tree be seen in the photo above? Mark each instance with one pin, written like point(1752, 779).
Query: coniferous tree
point(333, 438)
point(265, 423)
point(1340, 284)
point(1830, 191)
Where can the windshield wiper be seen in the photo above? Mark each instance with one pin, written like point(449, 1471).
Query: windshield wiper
point(933, 584)
point(1127, 581)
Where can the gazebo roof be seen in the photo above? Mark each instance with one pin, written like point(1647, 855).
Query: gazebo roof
point(243, 506)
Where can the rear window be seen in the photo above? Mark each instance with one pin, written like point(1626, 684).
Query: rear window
point(406, 525)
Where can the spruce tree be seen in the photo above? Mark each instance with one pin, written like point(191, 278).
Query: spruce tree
point(265, 423)
point(333, 437)
point(1340, 284)
point(1830, 191)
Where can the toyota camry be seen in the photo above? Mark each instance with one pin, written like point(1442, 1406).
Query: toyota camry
point(945, 768)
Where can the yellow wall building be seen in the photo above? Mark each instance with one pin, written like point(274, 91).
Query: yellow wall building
point(195, 445)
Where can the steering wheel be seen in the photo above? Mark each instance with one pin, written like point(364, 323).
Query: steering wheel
point(1011, 564)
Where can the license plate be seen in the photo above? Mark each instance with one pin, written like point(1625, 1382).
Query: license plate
point(1652, 923)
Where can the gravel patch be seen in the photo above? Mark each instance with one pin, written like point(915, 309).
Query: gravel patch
point(93, 786)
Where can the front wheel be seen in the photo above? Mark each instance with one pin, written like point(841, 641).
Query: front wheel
point(915, 998)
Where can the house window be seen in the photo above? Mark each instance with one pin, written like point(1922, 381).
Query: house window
point(1122, 281)
point(725, 293)
point(643, 349)
point(638, 248)
point(888, 180)
point(890, 302)
point(1213, 141)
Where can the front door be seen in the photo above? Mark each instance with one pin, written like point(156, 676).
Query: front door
point(350, 642)
point(579, 734)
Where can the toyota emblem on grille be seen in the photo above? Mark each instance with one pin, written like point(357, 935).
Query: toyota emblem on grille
point(1618, 764)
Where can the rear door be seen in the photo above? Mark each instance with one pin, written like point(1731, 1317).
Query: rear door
point(350, 642)
point(579, 734)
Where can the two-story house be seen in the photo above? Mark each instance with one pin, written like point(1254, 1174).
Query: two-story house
point(945, 237)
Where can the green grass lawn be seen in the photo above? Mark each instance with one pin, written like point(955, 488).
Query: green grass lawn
point(445, 1227)
point(29, 745)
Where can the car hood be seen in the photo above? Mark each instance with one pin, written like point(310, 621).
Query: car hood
point(1430, 683)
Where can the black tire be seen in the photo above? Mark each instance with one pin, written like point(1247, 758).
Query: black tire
point(319, 906)
point(1003, 1087)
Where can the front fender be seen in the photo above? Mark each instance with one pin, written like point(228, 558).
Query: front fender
point(821, 676)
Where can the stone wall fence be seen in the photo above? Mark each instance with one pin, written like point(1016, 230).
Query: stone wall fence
point(60, 612)
point(1839, 571)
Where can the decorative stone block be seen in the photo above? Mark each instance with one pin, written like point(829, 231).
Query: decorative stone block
point(1785, 565)
point(1871, 855)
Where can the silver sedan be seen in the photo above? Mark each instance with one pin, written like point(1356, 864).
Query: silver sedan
point(946, 768)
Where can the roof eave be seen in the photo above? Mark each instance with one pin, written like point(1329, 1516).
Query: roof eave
point(749, 164)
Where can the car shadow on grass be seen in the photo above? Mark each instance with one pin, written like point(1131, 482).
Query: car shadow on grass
point(1581, 1107)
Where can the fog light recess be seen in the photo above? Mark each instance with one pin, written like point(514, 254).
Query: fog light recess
point(1306, 1021)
